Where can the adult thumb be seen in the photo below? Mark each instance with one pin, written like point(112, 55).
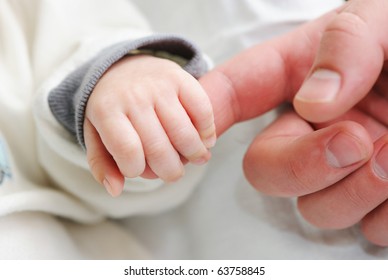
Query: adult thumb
point(349, 60)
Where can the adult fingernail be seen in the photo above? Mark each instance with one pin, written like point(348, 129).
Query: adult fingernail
point(322, 86)
point(381, 163)
point(344, 150)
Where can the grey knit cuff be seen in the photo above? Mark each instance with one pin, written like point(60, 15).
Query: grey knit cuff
point(68, 100)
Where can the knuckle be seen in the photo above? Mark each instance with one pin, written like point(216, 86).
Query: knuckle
point(348, 23)
point(205, 109)
point(206, 119)
point(301, 181)
point(355, 198)
point(125, 148)
point(129, 158)
point(175, 71)
point(207, 114)
point(139, 95)
point(101, 102)
point(98, 108)
point(156, 150)
point(185, 138)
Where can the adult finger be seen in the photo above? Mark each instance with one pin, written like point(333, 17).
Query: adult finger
point(348, 62)
point(375, 225)
point(290, 159)
point(263, 76)
point(101, 163)
point(381, 86)
point(372, 125)
point(347, 202)
point(376, 102)
point(375, 105)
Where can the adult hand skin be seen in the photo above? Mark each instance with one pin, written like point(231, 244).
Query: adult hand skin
point(350, 57)
point(337, 169)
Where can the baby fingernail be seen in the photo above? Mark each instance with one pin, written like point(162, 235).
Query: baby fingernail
point(200, 161)
point(108, 187)
point(210, 141)
point(381, 163)
point(344, 150)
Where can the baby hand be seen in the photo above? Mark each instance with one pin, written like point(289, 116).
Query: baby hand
point(146, 117)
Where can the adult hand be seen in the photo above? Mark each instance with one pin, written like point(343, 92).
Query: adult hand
point(338, 169)
point(351, 54)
